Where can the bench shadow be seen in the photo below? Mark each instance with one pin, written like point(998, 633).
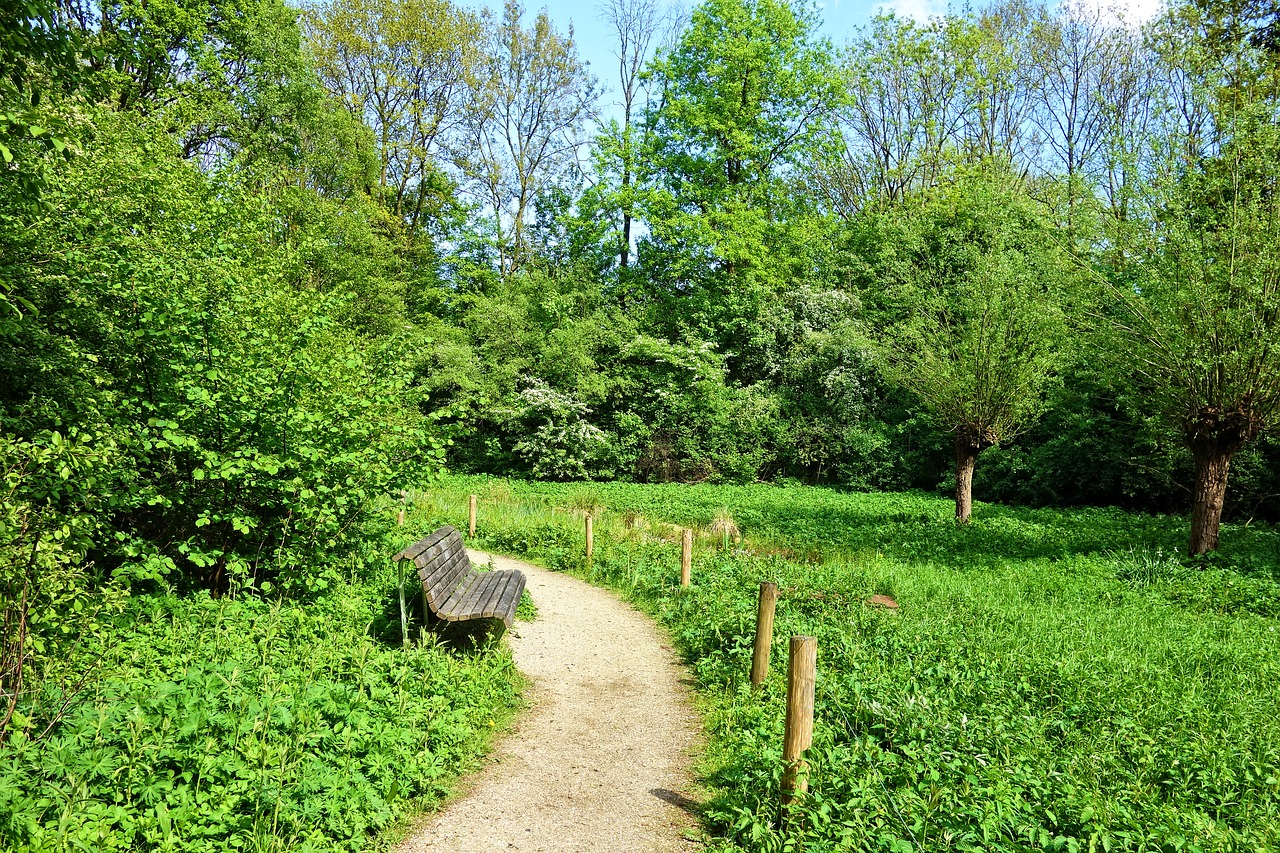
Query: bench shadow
point(463, 637)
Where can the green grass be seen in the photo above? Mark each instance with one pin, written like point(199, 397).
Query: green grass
point(245, 724)
point(1054, 680)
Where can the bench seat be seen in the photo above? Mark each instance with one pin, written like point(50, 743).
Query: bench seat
point(453, 589)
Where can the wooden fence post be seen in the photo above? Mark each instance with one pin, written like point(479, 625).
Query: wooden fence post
point(686, 557)
point(471, 523)
point(764, 632)
point(590, 539)
point(801, 675)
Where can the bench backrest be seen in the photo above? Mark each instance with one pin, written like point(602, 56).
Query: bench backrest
point(442, 563)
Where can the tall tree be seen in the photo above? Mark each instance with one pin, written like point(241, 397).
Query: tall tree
point(744, 99)
point(1081, 57)
point(907, 103)
point(533, 99)
point(1200, 325)
point(636, 25)
point(406, 68)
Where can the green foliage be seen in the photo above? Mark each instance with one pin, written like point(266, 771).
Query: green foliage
point(976, 285)
point(1053, 680)
point(249, 425)
point(745, 93)
point(50, 516)
point(219, 724)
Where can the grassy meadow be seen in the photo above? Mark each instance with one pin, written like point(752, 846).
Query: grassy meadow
point(1054, 680)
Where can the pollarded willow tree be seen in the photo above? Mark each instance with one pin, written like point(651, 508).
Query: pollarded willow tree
point(1195, 314)
point(1201, 323)
point(976, 285)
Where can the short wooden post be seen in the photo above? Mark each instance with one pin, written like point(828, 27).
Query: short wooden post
point(764, 632)
point(801, 675)
point(686, 557)
point(471, 522)
point(590, 538)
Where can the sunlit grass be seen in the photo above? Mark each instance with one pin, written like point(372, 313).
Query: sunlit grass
point(1055, 680)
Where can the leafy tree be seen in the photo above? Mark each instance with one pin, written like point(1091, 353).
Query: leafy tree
point(618, 148)
point(533, 97)
point(744, 98)
point(1199, 318)
point(250, 429)
point(408, 70)
point(974, 283)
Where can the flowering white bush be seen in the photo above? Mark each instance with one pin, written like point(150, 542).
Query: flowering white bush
point(559, 444)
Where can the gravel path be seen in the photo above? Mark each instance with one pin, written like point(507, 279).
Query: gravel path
point(600, 761)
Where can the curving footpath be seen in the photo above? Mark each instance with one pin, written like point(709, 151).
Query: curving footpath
point(600, 760)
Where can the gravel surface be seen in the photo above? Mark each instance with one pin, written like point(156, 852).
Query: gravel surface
point(600, 760)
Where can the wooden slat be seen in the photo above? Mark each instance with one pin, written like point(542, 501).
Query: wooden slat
point(493, 606)
point(490, 602)
point(423, 544)
point(449, 608)
point(442, 550)
point(505, 609)
point(504, 606)
point(472, 606)
point(446, 576)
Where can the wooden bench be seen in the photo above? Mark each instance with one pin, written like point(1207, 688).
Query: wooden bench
point(454, 590)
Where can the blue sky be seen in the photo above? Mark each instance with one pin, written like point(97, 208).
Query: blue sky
point(839, 20)
point(596, 42)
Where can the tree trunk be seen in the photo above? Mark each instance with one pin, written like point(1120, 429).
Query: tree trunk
point(1215, 434)
point(625, 252)
point(1212, 465)
point(966, 457)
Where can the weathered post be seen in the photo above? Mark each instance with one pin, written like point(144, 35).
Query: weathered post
point(764, 632)
point(471, 523)
point(590, 539)
point(801, 675)
point(686, 557)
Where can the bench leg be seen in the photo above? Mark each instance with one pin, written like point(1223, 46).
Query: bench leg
point(404, 620)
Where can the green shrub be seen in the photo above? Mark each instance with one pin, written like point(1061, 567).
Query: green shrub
point(221, 724)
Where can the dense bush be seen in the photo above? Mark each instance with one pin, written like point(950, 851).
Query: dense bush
point(248, 427)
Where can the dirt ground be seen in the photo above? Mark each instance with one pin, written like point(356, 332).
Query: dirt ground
point(599, 762)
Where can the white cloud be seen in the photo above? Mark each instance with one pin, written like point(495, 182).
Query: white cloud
point(920, 10)
point(1135, 13)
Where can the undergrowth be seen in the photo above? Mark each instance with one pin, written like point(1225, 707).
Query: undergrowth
point(239, 723)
